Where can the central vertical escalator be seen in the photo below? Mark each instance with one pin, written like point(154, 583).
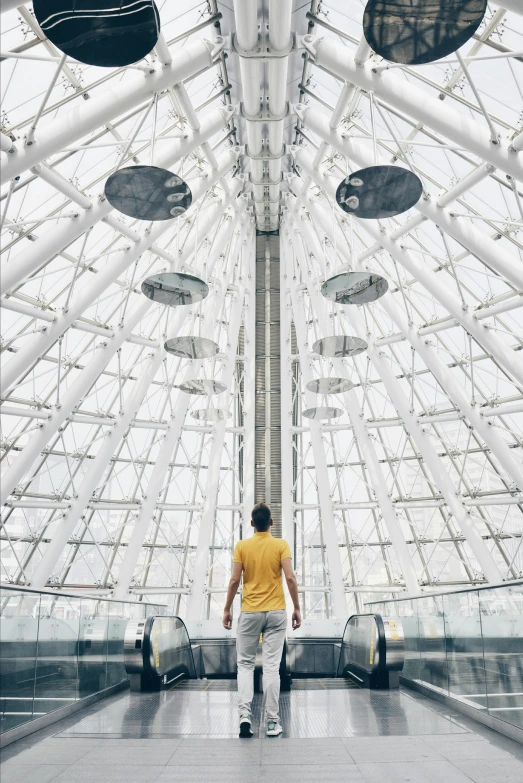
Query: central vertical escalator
point(268, 393)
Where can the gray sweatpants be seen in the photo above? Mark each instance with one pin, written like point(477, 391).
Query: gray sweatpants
point(273, 626)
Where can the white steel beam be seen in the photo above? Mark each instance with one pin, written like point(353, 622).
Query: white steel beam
point(458, 127)
point(165, 454)
point(352, 405)
point(95, 471)
point(32, 351)
point(287, 456)
point(330, 534)
point(419, 436)
point(21, 266)
point(479, 244)
point(88, 116)
point(83, 383)
point(196, 600)
point(484, 336)
point(457, 394)
point(249, 388)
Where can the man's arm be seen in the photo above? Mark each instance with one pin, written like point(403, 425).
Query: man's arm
point(231, 594)
point(292, 584)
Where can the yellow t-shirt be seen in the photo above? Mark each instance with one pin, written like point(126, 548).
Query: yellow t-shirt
point(261, 558)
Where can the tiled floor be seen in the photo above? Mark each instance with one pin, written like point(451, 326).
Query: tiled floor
point(330, 736)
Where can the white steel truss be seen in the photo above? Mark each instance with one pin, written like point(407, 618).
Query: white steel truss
point(110, 483)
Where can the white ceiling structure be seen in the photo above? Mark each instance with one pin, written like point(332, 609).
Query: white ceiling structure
point(117, 481)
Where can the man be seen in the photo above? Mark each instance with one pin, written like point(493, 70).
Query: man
point(261, 559)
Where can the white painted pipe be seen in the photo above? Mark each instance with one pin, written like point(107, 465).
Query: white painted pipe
point(23, 265)
point(88, 116)
point(458, 127)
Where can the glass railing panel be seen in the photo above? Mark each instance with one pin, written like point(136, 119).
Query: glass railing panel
point(465, 660)
point(92, 646)
point(57, 659)
point(502, 626)
point(19, 618)
point(408, 612)
point(432, 643)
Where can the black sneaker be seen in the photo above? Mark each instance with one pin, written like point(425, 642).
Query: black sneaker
point(245, 726)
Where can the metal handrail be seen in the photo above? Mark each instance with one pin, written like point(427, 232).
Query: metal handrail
point(513, 583)
point(59, 593)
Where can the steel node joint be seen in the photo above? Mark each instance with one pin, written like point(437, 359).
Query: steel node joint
point(263, 49)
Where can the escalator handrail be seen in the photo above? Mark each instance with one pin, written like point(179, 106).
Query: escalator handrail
point(382, 644)
point(147, 647)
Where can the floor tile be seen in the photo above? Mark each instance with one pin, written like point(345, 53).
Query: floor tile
point(88, 773)
point(386, 749)
point(236, 773)
point(497, 771)
point(300, 773)
point(472, 750)
point(413, 772)
point(137, 756)
point(23, 773)
point(45, 753)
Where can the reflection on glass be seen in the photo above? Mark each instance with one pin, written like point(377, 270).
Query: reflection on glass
point(465, 663)
point(19, 641)
point(57, 648)
point(56, 666)
point(502, 626)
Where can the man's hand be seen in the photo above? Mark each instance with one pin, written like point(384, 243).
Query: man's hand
point(296, 619)
point(227, 620)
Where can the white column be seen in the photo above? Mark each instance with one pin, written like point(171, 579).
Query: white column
point(479, 243)
point(330, 534)
point(88, 116)
point(197, 596)
point(287, 455)
point(368, 452)
point(157, 480)
point(37, 347)
point(95, 472)
point(407, 97)
point(430, 280)
point(249, 386)
point(21, 266)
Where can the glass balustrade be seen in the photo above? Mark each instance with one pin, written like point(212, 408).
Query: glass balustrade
point(467, 645)
point(57, 648)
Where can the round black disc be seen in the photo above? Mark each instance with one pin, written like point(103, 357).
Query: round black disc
point(148, 193)
point(322, 413)
point(105, 33)
point(191, 347)
point(329, 385)
point(174, 289)
point(379, 192)
point(339, 345)
point(420, 31)
point(354, 288)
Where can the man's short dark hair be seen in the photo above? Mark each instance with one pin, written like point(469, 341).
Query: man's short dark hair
point(261, 517)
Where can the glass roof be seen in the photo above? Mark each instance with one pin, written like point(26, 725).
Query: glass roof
point(116, 479)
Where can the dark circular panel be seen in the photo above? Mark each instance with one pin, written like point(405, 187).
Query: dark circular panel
point(174, 289)
point(100, 32)
point(379, 192)
point(420, 31)
point(354, 288)
point(205, 386)
point(210, 414)
point(322, 413)
point(148, 193)
point(329, 385)
point(339, 345)
point(191, 347)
